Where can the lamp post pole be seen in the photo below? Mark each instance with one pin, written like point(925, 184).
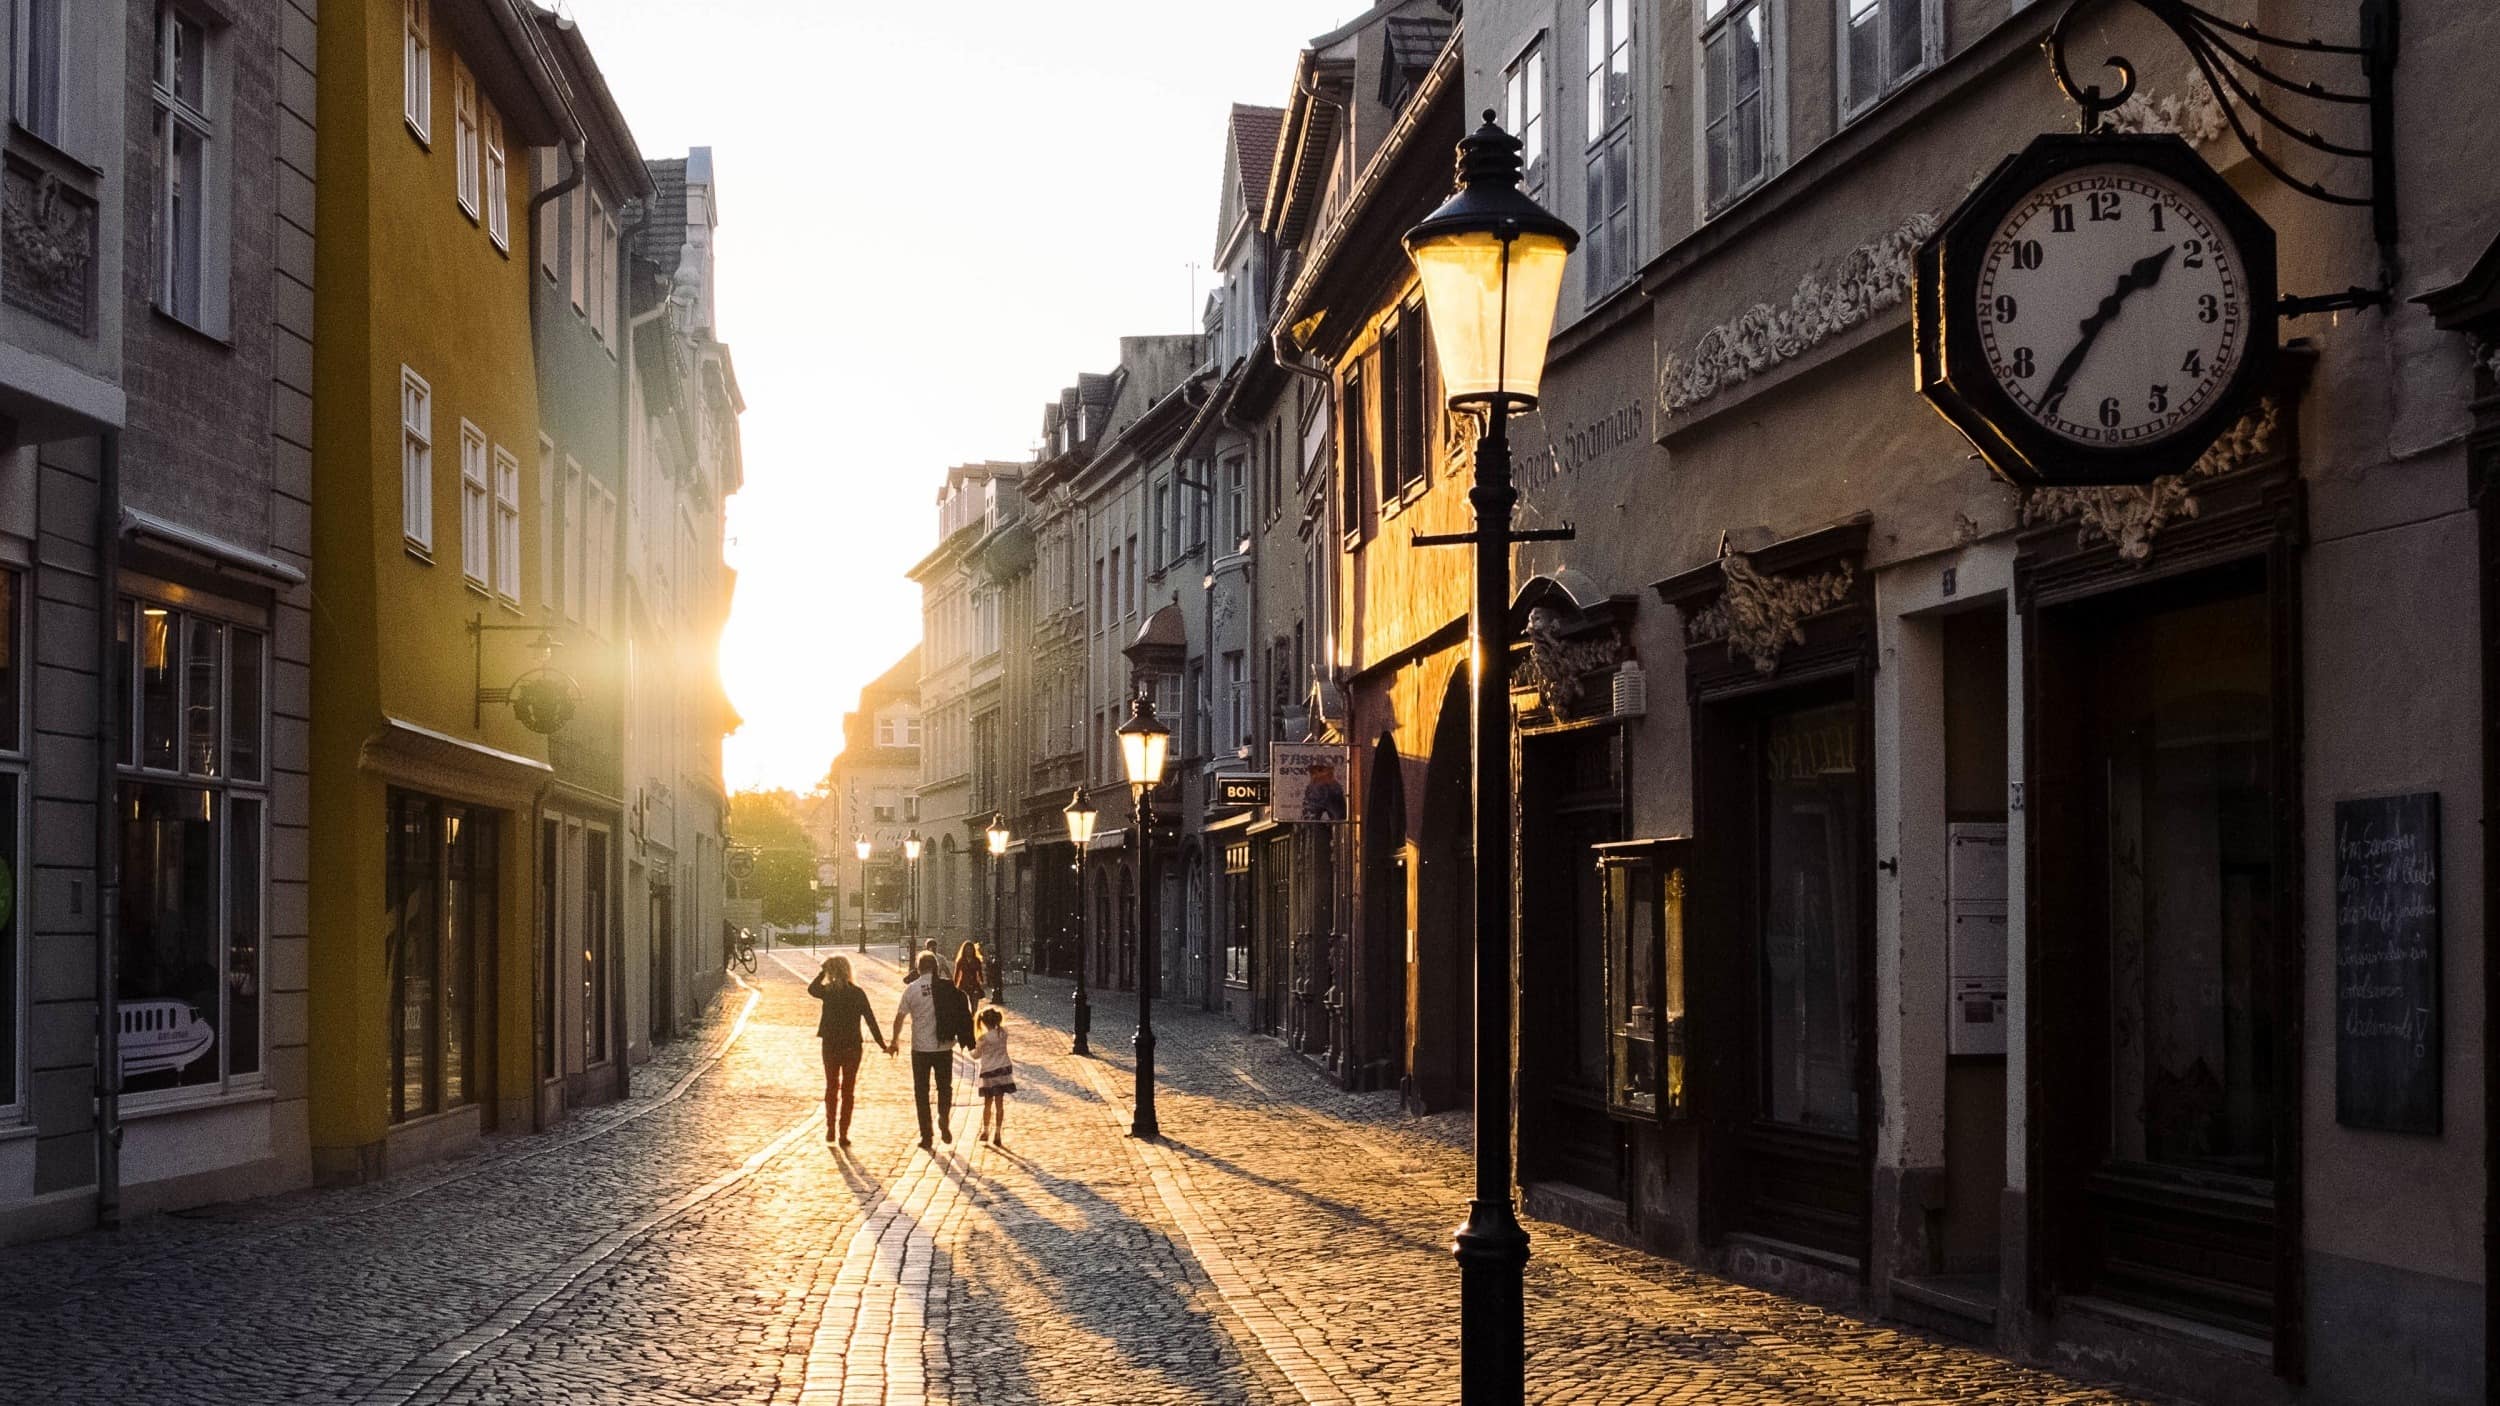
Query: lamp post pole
point(998, 837)
point(1145, 747)
point(861, 848)
point(1149, 956)
point(1491, 262)
point(1080, 816)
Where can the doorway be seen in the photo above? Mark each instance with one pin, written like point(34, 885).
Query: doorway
point(1571, 800)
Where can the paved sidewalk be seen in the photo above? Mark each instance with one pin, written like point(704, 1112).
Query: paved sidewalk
point(1285, 1242)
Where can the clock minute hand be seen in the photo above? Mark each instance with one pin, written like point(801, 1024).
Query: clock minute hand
point(2144, 273)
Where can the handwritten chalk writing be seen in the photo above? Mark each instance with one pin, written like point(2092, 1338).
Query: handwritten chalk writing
point(2387, 1032)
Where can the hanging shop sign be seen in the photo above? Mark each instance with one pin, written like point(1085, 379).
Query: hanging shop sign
point(2100, 310)
point(1308, 783)
point(1241, 788)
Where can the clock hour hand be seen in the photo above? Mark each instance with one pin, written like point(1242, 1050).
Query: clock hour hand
point(2144, 273)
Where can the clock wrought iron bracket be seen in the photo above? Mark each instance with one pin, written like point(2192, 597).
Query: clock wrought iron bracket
point(2226, 52)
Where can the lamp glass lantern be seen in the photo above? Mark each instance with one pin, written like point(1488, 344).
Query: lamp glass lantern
point(862, 848)
point(1081, 816)
point(998, 836)
point(911, 847)
point(1144, 744)
point(1491, 263)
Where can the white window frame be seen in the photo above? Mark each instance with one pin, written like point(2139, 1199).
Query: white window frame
point(548, 480)
point(610, 260)
point(575, 502)
point(477, 528)
point(599, 560)
point(416, 69)
point(1854, 105)
point(203, 304)
point(464, 135)
point(498, 177)
point(1708, 22)
point(416, 461)
point(1523, 114)
point(507, 540)
point(576, 245)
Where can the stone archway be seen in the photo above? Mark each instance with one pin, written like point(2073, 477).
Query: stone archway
point(1443, 1033)
point(1380, 987)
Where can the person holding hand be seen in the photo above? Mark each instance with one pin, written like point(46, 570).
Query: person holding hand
point(837, 1029)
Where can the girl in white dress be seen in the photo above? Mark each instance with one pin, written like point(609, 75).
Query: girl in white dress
point(997, 1075)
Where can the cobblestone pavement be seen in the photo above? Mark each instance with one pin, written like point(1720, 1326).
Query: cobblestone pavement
point(1284, 1242)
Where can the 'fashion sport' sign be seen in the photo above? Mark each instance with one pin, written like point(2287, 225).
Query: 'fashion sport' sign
point(1309, 783)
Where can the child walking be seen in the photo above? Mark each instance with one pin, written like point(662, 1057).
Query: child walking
point(997, 1076)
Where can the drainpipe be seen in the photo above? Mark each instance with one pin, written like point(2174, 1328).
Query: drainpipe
point(108, 1007)
point(622, 1046)
point(626, 382)
point(575, 155)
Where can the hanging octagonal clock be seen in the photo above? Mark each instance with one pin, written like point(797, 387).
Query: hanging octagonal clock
point(2098, 311)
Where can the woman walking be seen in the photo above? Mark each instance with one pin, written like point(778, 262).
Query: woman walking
point(998, 1076)
point(837, 1029)
point(969, 969)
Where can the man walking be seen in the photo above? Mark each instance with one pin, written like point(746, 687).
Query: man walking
point(939, 1021)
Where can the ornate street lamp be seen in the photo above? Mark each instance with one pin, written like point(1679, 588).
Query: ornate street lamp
point(1144, 743)
point(1081, 816)
point(863, 849)
point(911, 877)
point(998, 837)
point(1491, 262)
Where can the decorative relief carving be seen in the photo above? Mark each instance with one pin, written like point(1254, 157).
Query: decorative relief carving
point(47, 247)
point(2131, 516)
point(1868, 279)
point(2486, 355)
point(2196, 114)
point(1761, 615)
point(1561, 668)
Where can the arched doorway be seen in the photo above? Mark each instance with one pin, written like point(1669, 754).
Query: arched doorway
point(1442, 1038)
point(1380, 984)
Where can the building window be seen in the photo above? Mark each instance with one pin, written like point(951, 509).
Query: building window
point(599, 558)
point(13, 952)
point(1404, 421)
point(186, 217)
point(498, 180)
point(573, 537)
point(1236, 503)
point(594, 945)
point(476, 522)
point(1355, 420)
point(1608, 232)
point(551, 214)
point(576, 247)
point(193, 815)
point(416, 460)
point(595, 280)
point(548, 480)
point(1237, 928)
point(507, 551)
point(1237, 703)
point(1523, 112)
point(464, 134)
point(1736, 60)
point(440, 883)
point(1884, 43)
point(608, 263)
point(42, 63)
point(1162, 524)
point(416, 70)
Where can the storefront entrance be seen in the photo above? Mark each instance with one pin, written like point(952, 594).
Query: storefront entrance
point(2167, 936)
point(1571, 800)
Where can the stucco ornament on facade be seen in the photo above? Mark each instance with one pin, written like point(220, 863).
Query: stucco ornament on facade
point(1760, 615)
point(2195, 114)
point(1868, 279)
point(2131, 516)
point(47, 233)
point(1562, 668)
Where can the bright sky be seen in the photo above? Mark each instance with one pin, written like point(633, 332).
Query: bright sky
point(932, 217)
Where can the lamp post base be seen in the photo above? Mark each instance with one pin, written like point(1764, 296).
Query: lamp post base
point(1492, 1338)
point(1142, 1123)
point(1084, 1023)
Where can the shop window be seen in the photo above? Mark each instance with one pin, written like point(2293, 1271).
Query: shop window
point(594, 946)
point(1808, 967)
point(193, 832)
point(440, 884)
point(1645, 1060)
point(1237, 893)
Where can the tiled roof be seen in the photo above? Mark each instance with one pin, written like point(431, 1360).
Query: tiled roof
point(663, 233)
point(1254, 149)
point(1414, 42)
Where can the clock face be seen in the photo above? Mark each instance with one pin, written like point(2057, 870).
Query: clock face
point(2113, 306)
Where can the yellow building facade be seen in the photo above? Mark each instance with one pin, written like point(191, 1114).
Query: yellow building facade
point(426, 441)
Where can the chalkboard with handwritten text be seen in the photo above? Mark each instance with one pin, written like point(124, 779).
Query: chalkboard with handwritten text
point(2387, 1033)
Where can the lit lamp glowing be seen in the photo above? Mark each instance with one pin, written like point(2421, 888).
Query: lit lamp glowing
point(998, 837)
point(1491, 263)
point(1081, 816)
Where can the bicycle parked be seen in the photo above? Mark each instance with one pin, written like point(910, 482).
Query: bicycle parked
point(738, 948)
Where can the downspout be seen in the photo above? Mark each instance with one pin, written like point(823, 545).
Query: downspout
point(625, 447)
point(622, 1049)
point(108, 1006)
point(574, 152)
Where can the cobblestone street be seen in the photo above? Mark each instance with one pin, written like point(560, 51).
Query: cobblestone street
point(1284, 1243)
